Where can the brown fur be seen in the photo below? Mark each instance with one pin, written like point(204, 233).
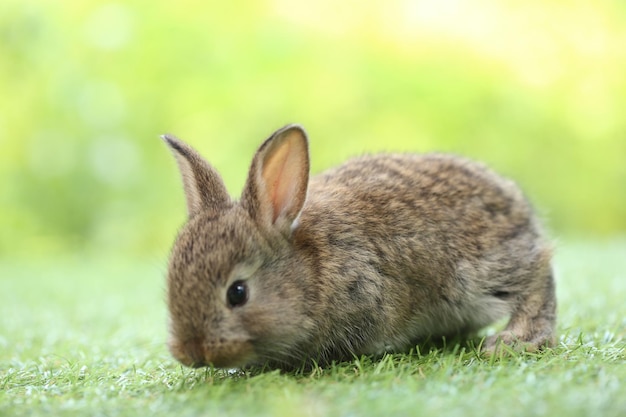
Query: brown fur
point(372, 256)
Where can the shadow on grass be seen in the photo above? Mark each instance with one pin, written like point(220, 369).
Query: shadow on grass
point(428, 355)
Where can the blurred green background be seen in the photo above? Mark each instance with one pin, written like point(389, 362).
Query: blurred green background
point(535, 88)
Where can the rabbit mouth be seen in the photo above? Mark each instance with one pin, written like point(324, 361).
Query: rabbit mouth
point(222, 353)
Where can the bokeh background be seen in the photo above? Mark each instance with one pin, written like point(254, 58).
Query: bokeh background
point(536, 88)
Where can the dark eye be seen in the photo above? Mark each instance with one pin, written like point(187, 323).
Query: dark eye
point(237, 294)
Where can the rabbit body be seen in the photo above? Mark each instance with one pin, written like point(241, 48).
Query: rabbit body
point(375, 255)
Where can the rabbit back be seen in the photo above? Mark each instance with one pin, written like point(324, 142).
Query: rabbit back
point(414, 246)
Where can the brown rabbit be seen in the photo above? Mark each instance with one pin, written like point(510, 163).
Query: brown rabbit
point(372, 256)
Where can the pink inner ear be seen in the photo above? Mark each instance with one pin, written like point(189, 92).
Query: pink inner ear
point(283, 173)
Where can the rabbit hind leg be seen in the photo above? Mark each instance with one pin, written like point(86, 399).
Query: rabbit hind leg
point(532, 323)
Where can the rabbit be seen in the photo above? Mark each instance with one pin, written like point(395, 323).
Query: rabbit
point(369, 257)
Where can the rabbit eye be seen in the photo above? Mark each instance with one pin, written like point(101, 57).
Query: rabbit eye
point(237, 294)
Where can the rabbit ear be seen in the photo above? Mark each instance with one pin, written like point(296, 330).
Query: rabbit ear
point(277, 183)
point(204, 188)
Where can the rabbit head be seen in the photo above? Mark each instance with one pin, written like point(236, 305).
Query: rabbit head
point(232, 290)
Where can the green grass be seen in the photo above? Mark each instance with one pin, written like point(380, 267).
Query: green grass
point(86, 337)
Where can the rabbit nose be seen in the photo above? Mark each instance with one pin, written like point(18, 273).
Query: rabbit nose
point(195, 351)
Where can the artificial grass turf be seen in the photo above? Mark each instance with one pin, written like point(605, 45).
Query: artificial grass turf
point(86, 337)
